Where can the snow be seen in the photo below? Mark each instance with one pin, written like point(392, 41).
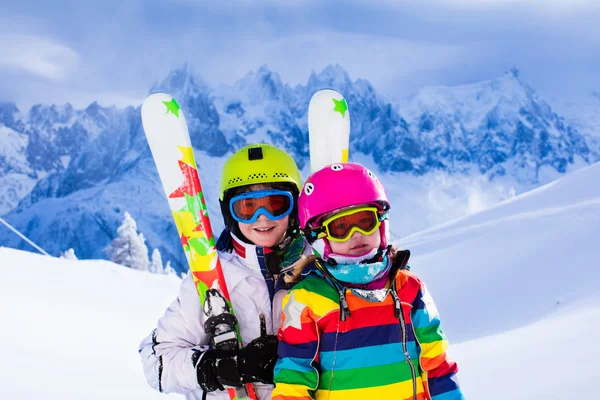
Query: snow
point(516, 286)
point(65, 160)
point(13, 188)
point(582, 112)
point(510, 263)
point(555, 358)
point(16, 179)
point(71, 329)
point(469, 103)
point(13, 146)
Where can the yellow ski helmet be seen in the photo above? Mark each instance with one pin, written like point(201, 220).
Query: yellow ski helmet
point(259, 163)
point(255, 164)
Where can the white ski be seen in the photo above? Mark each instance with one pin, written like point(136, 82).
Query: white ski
point(328, 128)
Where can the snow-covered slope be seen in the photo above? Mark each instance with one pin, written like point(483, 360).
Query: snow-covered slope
point(517, 261)
point(71, 329)
point(556, 358)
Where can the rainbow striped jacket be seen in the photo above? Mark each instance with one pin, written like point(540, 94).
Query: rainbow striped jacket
point(389, 349)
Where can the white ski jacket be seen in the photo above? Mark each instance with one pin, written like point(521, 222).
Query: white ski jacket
point(167, 352)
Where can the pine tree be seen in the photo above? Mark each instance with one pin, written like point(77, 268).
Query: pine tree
point(156, 264)
point(129, 248)
point(141, 261)
point(169, 270)
point(69, 254)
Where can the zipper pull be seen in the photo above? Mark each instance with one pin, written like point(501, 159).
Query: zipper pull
point(397, 305)
point(344, 309)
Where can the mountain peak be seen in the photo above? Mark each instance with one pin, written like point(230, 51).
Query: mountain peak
point(93, 107)
point(181, 82)
point(334, 71)
point(474, 99)
point(42, 115)
point(515, 72)
point(9, 114)
point(334, 76)
point(261, 85)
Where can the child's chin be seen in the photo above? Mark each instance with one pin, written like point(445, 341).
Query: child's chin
point(360, 251)
point(265, 241)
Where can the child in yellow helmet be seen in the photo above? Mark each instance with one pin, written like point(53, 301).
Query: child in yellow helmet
point(258, 196)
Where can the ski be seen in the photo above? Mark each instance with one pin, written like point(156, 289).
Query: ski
point(328, 128)
point(169, 140)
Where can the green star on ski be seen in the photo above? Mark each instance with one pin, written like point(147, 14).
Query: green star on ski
point(172, 107)
point(340, 106)
point(201, 245)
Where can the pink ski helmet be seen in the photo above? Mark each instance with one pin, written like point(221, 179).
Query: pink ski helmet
point(338, 186)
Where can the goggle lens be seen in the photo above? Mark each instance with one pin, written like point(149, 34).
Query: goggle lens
point(339, 227)
point(274, 204)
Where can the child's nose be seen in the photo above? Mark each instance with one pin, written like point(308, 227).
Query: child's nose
point(356, 235)
point(262, 217)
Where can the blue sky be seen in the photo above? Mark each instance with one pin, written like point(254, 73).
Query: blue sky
point(112, 51)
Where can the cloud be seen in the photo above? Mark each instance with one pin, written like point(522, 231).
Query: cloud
point(482, 4)
point(398, 46)
point(380, 59)
point(38, 56)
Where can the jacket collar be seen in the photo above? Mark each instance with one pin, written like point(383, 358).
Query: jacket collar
point(250, 253)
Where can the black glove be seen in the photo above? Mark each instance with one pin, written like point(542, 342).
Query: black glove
point(253, 363)
point(256, 361)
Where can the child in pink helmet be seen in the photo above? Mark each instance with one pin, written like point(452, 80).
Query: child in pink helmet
point(360, 324)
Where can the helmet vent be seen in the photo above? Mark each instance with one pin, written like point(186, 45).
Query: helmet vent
point(280, 175)
point(234, 180)
point(260, 175)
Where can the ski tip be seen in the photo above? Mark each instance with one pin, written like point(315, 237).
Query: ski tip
point(325, 101)
point(324, 93)
point(161, 101)
point(156, 97)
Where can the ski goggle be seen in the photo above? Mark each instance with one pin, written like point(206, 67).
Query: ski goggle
point(340, 227)
point(274, 204)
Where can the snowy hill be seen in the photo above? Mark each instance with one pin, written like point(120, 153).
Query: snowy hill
point(459, 150)
point(528, 358)
point(516, 286)
point(73, 327)
point(517, 261)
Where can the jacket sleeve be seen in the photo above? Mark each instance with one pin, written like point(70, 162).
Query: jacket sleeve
point(169, 352)
point(441, 371)
point(296, 375)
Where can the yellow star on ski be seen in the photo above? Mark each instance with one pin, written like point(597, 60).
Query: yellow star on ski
point(172, 107)
point(184, 220)
point(340, 106)
point(344, 155)
point(201, 262)
point(188, 155)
